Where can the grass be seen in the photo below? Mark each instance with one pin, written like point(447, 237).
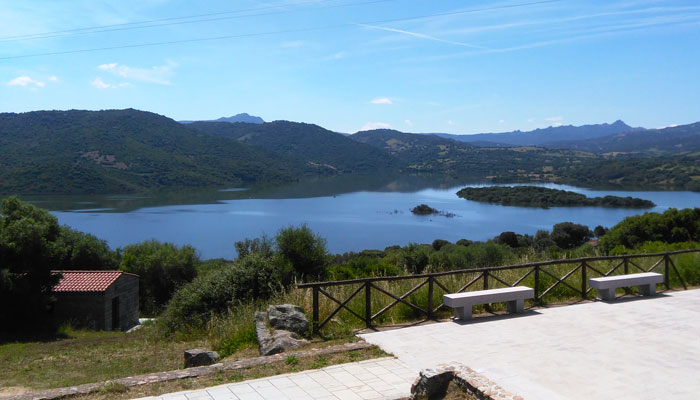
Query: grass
point(87, 356)
point(223, 377)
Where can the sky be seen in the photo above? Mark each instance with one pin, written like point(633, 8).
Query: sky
point(412, 65)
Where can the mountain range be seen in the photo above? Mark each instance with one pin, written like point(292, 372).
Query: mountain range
point(118, 151)
point(243, 117)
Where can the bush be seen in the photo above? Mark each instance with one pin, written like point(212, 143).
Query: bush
point(84, 251)
point(162, 268)
point(438, 243)
point(413, 258)
point(568, 235)
point(302, 250)
point(671, 227)
point(29, 249)
point(193, 305)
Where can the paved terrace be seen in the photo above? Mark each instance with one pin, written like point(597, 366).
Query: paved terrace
point(633, 348)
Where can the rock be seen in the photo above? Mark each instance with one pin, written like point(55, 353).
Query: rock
point(200, 357)
point(431, 383)
point(277, 342)
point(289, 318)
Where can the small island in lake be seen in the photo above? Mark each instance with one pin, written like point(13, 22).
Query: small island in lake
point(424, 209)
point(535, 196)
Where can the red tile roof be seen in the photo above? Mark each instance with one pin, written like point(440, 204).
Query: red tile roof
point(86, 281)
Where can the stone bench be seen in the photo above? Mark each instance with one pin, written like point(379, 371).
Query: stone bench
point(463, 302)
point(646, 282)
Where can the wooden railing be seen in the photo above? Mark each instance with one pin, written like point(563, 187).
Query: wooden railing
point(488, 278)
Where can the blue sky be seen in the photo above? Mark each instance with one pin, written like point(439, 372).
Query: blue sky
point(420, 66)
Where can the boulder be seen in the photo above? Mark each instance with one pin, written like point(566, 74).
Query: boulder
point(432, 383)
point(274, 342)
point(200, 357)
point(288, 317)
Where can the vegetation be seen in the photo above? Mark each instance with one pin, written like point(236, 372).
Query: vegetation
point(424, 209)
point(672, 226)
point(162, 268)
point(536, 196)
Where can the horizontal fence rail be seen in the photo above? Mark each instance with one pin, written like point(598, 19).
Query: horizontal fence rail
point(542, 275)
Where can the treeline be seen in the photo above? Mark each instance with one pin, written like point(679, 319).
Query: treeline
point(536, 196)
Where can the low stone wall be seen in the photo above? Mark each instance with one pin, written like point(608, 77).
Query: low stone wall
point(432, 381)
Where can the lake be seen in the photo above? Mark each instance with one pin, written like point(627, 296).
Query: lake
point(351, 215)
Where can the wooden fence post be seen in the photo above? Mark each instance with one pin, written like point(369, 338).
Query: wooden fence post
point(314, 318)
point(627, 267)
point(583, 280)
point(486, 280)
point(430, 297)
point(537, 283)
point(667, 281)
point(368, 304)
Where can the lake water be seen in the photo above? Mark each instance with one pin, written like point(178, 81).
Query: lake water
point(350, 216)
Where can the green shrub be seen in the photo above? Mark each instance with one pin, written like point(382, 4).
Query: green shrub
point(670, 227)
point(304, 251)
point(194, 305)
point(162, 268)
point(80, 250)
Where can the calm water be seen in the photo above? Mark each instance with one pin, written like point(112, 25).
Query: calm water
point(350, 218)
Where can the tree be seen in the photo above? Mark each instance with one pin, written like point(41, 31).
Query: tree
point(304, 251)
point(162, 268)
point(80, 250)
point(28, 250)
point(599, 231)
point(509, 238)
point(438, 243)
point(568, 235)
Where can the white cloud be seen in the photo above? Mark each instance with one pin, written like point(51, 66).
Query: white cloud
point(554, 119)
point(530, 120)
point(53, 78)
point(450, 122)
point(667, 126)
point(25, 81)
point(100, 84)
point(382, 100)
point(159, 74)
point(423, 36)
point(293, 44)
point(501, 121)
point(375, 125)
point(409, 122)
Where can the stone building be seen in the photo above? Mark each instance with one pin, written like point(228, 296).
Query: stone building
point(102, 300)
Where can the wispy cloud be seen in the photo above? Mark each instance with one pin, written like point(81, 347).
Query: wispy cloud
point(375, 125)
point(100, 84)
point(25, 81)
point(408, 122)
point(423, 36)
point(381, 100)
point(554, 119)
point(160, 74)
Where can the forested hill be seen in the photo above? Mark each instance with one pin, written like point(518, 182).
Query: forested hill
point(120, 151)
point(327, 151)
point(682, 139)
point(544, 137)
point(434, 154)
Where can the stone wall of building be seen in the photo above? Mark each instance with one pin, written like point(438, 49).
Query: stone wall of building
point(80, 309)
point(126, 288)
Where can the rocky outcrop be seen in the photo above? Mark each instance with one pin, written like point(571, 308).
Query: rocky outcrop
point(432, 383)
point(274, 342)
point(288, 317)
point(200, 357)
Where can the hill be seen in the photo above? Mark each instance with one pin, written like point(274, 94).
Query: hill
point(243, 117)
point(422, 153)
point(118, 151)
point(325, 151)
point(682, 139)
point(543, 137)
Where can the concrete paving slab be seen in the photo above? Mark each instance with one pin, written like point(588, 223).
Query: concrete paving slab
point(337, 382)
point(634, 348)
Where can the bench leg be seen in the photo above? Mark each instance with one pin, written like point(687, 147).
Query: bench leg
point(647, 290)
point(464, 313)
point(606, 294)
point(516, 306)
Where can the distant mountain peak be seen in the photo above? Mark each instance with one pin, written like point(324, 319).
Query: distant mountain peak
point(242, 117)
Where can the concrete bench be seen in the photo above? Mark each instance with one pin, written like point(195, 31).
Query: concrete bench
point(646, 282)
point(463, 302)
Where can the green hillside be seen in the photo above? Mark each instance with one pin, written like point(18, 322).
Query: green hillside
point(120, 151)
point(328, 152)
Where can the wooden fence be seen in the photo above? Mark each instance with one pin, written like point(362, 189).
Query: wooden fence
point(485, 278)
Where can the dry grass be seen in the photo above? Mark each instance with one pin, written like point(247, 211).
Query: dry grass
point(87, 356)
